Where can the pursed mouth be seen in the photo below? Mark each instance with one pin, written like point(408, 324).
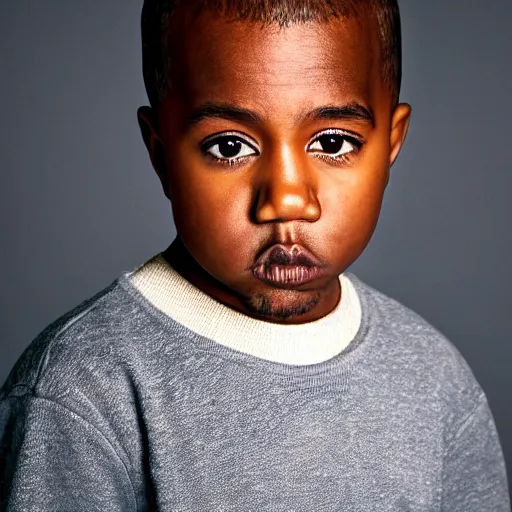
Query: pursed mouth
point(287, 275)
point(286, 265)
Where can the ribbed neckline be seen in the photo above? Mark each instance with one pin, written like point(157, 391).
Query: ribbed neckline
point(333, 372)
point(298, 344)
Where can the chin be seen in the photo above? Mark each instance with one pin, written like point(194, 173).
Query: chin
point(281, 304)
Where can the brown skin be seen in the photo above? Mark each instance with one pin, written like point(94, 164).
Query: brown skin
point(288, 190)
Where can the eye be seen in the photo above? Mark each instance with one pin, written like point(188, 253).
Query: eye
point(228, 148)
point(334, 144)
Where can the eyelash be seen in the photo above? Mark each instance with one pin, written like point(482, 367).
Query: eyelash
point(352, 138)
point(214, 139)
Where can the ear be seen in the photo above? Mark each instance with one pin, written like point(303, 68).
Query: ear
point(148, 123)
point(399, 127)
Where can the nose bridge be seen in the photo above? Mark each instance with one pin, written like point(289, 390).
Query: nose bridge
point(286, 190)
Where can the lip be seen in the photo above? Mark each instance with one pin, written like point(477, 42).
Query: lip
point(287, 266)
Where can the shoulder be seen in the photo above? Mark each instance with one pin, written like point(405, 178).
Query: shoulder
point(76, 379)
point(412, 352)
point(81, 349)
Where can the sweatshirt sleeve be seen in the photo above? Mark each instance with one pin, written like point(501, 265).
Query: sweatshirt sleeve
point(53, 459)
point(474, 474)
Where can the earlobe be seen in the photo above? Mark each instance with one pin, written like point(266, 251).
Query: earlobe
point(399, 127)
point(148, 123)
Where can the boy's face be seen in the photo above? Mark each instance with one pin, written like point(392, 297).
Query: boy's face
point(273, 136)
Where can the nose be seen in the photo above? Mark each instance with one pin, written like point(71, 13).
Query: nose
point(286, 190)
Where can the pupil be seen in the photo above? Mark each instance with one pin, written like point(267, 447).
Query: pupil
point(331, 143)
point(230, 147)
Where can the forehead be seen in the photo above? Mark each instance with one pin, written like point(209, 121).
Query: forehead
point(263, 66)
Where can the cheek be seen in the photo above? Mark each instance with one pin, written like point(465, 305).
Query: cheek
point(218, 202)
point(352, 203)
point(211, 215)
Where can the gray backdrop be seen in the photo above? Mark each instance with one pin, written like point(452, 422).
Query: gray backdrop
point(79, 202)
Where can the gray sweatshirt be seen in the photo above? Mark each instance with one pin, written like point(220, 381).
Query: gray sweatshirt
point(117, 407)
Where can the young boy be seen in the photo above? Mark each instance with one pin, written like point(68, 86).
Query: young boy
point(243, 369)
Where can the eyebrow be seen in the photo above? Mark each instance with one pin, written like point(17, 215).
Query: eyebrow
point(351, 111)
point(222, 111)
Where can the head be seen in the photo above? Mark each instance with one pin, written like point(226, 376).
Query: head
point(272, 122)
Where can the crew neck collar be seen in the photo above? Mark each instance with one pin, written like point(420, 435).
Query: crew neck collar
point(292, 344)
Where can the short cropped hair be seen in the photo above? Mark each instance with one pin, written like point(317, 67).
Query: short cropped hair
point(156, 16)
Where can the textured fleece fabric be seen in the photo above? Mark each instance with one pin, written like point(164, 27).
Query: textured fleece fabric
point(117, 407)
